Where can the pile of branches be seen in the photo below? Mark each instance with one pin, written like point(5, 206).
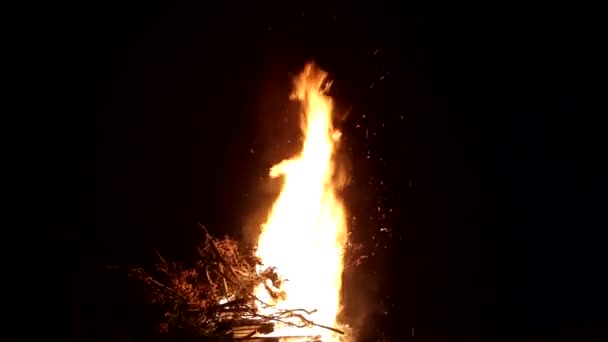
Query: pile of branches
point(217, 293)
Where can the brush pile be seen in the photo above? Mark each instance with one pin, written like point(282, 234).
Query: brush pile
point(215, 296)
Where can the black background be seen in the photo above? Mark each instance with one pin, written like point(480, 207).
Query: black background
point(466, 137)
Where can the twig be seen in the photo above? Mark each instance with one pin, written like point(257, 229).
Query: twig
point(306, 323)
point(208, 277)
point(162, 259)
point(291, 312)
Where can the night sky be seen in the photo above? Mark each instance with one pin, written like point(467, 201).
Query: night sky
point(474, 161)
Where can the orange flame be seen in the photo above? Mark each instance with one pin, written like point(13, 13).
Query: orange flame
point(305, 234)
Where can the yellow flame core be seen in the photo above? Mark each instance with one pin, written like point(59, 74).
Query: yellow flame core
point(305, 234)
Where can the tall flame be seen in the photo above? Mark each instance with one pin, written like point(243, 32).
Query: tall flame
point(305, 233)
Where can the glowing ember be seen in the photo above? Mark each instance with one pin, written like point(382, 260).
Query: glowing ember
point(305, 233)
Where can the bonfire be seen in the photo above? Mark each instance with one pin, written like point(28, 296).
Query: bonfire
point(303, 240)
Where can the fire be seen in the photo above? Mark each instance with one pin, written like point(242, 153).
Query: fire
point(305, 233)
